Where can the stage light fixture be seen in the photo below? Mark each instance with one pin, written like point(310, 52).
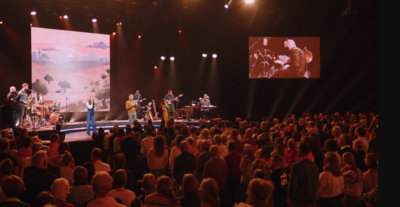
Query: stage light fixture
point(155, 67)
point(180, 31)
point(1, 22)
point(162, 58)
point(214, 55)
point(226, 6)
point(117, 24)
point(65, 16)
point(249, 1)
point(113, 33)
point(172, 58)
point(204, 55)
point(94, 20)
point(31, 25)
point(33, 13)
point(139, 36)
point(120, 23)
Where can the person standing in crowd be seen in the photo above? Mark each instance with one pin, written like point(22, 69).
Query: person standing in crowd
point(90, 117)
point(131, 107)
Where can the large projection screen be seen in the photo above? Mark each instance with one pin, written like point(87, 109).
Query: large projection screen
point(68, 67)
point(284, 57)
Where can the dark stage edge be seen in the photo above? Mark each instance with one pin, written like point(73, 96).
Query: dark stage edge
point(70, 127)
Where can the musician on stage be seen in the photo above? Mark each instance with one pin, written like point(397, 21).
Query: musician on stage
point(171, 106)
point(131, 107)
point(90, 116)
point(23, 98)
point(297, 66)
point(139, 99)
point(205, 101)
point(12, 99)
point(164, 110)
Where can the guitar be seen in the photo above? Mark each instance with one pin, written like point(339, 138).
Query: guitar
point(148, 112)
point(137, 101)
point(155, 110)
point(169, 101)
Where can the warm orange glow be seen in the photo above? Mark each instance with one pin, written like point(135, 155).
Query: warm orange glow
point(113, 33)
point(155, 67)
point(117, 24)
point(180, 31)
point(139, 36)
point(31, 25)
point(1, 22)
point(60, 17)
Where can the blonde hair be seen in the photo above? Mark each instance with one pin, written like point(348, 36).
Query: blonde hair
point(190, 184)
point(260, 189)
point(102, 183)
point(209, 192)
point(90, 100)
point(60, 188)
point(205, 132)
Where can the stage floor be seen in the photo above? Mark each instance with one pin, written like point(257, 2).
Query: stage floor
point(76, 131)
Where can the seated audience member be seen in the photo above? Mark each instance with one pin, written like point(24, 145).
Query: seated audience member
point(192, 145)
point(175, 151)
point(164, 195)
point(148, 187)
point(80, 191)
point(204, 157)
point(303, 179)
point(331, 182)
point(353, 181)
point(12, 187)
point(65, 171)
point(23, 153)
point(190, 187)
point(217, 169)
point(209, 193)
point(371, 198)
point(246, 162)
point(119, 162)
point(61, 150)
point(279, 177)
point(54, 144)
point(90, 170)
point(184, 163)
point(157, 157)
point(38, 180)
point(45, 199)
point(96, 159)
point(60, 190)
point(222, 149)
point(332, 147)
point(102, 184)
point(371, 175)
point(345, 142)
point(53, 169)
point(6, 169)
point(290, 154)
point(359, 156)
point(4, 147)
point(119, 181)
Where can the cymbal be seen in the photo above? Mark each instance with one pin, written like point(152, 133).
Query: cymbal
point(49, 102)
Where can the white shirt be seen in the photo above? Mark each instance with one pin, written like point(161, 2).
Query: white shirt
point(67, 173)
point(175, 151)
point(155, 162)
point(90, 106)
point(223, 151)
point(100, 166)
point(329, 185)
point(126, 196)
point(365, 143)
point(107, 201)
point(147, 143)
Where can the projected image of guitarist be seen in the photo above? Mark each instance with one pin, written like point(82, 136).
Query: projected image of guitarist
point(170, 98)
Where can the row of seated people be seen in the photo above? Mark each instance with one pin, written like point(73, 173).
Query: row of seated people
point(324, 171)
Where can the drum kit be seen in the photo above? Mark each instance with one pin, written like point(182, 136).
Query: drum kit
point(47, 112)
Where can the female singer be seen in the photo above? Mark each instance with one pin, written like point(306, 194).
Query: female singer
point(90, 116)
point(164, 109)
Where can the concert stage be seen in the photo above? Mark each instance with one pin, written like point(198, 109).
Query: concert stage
point(76, 131)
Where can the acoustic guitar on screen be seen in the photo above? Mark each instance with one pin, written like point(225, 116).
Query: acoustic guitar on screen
point(169, 101)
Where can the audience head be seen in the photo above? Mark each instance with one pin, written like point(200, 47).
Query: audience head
point(258, 173)
point(96, 154)
point(27, 142)
point(214, 151)
point(60, 188)
point(184, 146)
point(276, 159)
point(159, 144)
point(190, 184)
point(63, 147)
point(120, 178)
point(331, 145)
point(90, 171)
point(119, 161)
point(6, 167)
point(259, 190)
point(332, 164)
point(12, 186)
point(54, 138)
point(248, 149)
point(102, 184)
point(149, 183)
point(262, 165)
point(205, 145)
point(80, 175)
point(371, 160)
point(45, 198)
point(40, 159)
point(231, 146)
point(360, 131)
point(303, 149)
point(4, 146)
point(234, 134)
point(164, 186)
point(209, 192)
point(66, 159)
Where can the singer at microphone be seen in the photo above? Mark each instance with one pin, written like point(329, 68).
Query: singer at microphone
point(23, 98)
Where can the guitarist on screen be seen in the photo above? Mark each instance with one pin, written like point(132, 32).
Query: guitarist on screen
point(170, 98)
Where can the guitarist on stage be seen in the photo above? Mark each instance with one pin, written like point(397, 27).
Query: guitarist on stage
point(170, 98)
point(138, 98)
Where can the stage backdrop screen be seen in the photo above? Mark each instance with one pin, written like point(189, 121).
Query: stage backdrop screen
point(68, 67)
point(284, 57)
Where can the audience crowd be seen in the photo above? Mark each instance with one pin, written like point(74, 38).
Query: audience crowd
point(320, 160)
